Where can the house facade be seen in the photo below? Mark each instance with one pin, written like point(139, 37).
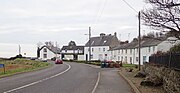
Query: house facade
point(128, 53)
point(72, 52)
point(48, 52)
point(100, 46)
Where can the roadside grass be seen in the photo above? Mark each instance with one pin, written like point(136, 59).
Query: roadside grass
point(20, 65)
point(129, 65)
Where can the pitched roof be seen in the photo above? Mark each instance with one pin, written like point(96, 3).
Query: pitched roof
point(144, 43)
point(72, 48)
point(105, 40)
point(51, 48)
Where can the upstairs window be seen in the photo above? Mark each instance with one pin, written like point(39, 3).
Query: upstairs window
point(92, 49)
point(104, 49)
point(45, 50)
point(153, 48)
point(149, 49)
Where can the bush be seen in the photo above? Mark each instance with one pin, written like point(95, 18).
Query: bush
point(175, 48)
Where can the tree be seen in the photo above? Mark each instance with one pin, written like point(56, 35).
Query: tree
point(164, 15)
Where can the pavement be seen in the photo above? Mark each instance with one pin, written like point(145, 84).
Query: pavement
point(111, 82)
point(67, 78)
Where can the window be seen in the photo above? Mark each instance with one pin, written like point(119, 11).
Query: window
point(45, 50)
point(104, 49)
point(45, 56)
point(65, 50)
point(91, 56)
point(118, 58)
point(121, 58)
point(130, 60)
point(99, 49)
point(118, 51)
point(153, 48)
point(126, 59)
point(126, 51)
point(149, 49)
point(92, 49)
point(122, 52)
point(137, 58)
point(130, 51)
point(144, 58)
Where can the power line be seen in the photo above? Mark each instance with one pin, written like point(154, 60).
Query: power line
point(130, 6)
point(99, 14)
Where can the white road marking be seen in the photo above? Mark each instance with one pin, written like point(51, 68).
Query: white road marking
point(97, 82)
point(39, 81)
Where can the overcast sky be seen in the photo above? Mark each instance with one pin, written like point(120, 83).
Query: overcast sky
point(33, 21)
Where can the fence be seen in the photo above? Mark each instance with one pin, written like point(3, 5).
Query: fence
point(169, 60)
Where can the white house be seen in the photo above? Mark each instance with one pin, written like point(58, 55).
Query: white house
point(100, 46)
point(72, 52)
point(128, 53)
point(48, 52)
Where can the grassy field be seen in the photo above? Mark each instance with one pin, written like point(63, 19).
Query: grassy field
point(20, 65)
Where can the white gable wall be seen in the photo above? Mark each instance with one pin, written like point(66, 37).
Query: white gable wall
point(49, 54)
point(97, 52)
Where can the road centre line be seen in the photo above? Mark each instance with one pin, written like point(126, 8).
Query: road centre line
point(97, 82)
point(39, 81)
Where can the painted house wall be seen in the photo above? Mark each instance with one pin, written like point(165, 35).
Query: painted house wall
point(72, 51)
point(97, 52)
point(131, 55)
point(68, 57)
point(71, 56)
point(49, 54)
point(80, 57)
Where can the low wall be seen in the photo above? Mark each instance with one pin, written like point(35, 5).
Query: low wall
point(171, 78)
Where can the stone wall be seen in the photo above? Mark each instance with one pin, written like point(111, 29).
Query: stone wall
point(171, 78)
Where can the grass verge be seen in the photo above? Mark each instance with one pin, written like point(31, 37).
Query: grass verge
point(20, 66)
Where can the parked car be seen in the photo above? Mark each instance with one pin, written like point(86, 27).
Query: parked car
point(58, 61)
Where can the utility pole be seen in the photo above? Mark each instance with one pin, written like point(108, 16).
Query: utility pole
point(19, 49)
point(89, 43)
point(139, 40)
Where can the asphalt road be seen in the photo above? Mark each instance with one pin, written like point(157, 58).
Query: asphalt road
point(65, 78)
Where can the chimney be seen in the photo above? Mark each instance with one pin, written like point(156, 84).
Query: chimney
point(101, 35)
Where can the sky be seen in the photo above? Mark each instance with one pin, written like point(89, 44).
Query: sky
point(27, 22)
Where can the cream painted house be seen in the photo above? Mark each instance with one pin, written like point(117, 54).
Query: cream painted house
point(48, 52)
point(128, 53)
point(100, 46)
point(72, 52)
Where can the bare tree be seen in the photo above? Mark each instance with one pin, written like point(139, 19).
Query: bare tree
point(164, 15)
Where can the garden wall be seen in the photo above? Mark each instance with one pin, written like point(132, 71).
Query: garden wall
point(170, 77)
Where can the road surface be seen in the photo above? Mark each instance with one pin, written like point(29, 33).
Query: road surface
point(66, 78)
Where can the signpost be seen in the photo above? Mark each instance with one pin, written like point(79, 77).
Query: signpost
point(2, 66)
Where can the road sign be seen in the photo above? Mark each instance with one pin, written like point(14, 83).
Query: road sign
point(2, 66)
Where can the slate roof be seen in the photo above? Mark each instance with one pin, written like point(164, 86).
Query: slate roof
point(101, 41)
point(52, 48)
point(150, 42)
point(144, 43)
point(72, 48)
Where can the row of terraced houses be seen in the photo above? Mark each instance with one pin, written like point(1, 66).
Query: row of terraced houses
point(108, 47)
